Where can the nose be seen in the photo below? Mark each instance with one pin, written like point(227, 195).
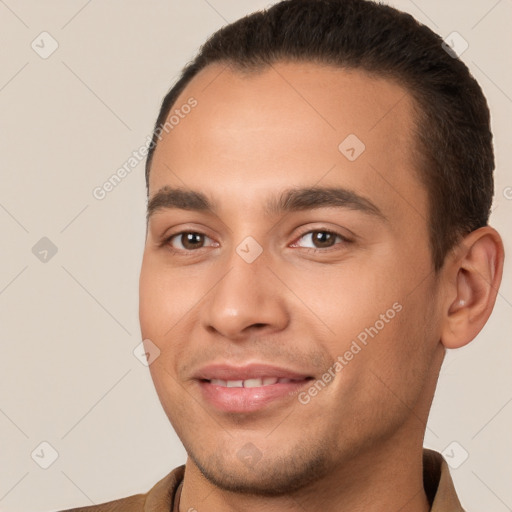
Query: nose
point(247, 299)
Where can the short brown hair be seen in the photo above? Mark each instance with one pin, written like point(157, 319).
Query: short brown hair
point(452, 122)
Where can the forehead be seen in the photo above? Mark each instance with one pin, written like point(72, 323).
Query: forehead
point(292, 124)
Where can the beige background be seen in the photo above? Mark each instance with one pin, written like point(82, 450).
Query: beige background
point(69, 325)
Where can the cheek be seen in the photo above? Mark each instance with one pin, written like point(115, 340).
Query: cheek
point(169, 311)
point(166, 297)
point(347, 297)
point(380, 321)
point(400, 357)
point(174, 400)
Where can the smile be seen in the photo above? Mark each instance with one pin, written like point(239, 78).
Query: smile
point(252, 383)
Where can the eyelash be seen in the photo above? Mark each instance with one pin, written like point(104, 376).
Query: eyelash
point(190, 252)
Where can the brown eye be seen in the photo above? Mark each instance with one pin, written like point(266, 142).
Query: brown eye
point(188, 241)
point(323, 239)
point(320, 239)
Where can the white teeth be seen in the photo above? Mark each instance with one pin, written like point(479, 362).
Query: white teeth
point(235, 383)
point(250, 383)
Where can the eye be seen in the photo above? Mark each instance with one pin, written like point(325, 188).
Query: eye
point(188, 241)
point(319, 239)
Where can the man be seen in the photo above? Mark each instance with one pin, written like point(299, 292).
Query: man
point(319, 187)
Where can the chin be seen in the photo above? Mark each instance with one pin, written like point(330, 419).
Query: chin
point(265, 476)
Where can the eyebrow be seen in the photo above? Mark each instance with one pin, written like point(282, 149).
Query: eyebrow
point(290, 200)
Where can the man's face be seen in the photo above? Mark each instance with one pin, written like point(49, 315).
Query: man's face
point(333, 291)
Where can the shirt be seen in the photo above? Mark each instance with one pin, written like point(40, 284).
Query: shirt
point(164, 495)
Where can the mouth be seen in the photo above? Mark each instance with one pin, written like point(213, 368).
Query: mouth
point(253, 382)
point(250, 388)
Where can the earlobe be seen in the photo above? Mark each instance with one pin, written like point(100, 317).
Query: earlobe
point(475, 275)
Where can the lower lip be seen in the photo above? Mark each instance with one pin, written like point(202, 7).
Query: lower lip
point(243, 400)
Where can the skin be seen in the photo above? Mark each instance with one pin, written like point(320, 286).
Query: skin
point(357, 444)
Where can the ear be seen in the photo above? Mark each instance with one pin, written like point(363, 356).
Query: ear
point(473, 275)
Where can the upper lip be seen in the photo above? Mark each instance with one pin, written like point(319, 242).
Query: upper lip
point(248, 371)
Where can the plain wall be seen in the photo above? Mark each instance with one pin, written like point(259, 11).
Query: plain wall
point(69, 325)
